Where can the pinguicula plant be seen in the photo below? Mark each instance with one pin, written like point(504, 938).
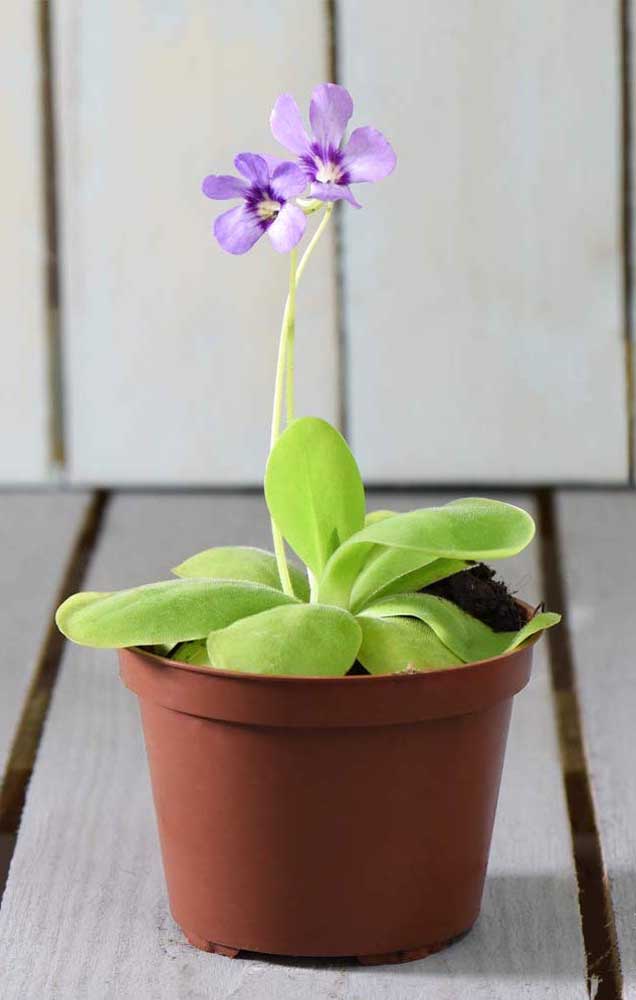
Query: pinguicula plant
point(359, 596)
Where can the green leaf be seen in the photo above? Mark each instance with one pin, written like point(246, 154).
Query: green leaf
point(466, 636)
point(390, 571)
point(471, 529)
point(393, 645)
point(241, 562)
point(167, 612)
point(313, 490)
point(374, 516)
point(195, 652)
point(304, 640)
point(439, 569)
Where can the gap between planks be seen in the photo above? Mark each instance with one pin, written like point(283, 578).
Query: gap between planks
point(51, 228)
point(331, 14)
point(29, 732)
point(604, 977)
point(627, 208)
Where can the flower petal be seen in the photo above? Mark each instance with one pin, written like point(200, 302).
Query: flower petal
point(330, 109)
point(223, 186)
point(333, 192)
point(288, 181)
point(237, 230)
point(287, 125)
point(254, 167)
point(368, 156)
point(272, 162)
point(287, 228)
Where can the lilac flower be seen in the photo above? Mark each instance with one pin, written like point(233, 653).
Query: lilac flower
point(329, 166)
point(266, 192)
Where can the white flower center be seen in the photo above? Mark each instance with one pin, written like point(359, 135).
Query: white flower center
point(267, 209)
point(328, 173)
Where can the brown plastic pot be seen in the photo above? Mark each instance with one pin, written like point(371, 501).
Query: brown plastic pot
point(325, 816)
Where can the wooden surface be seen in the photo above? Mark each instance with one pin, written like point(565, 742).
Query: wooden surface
point(494, 248)
point(597, 549)
point(85, 914)
point(37, 532)
point(171, 343)
point(488, 269)
point(24, 402)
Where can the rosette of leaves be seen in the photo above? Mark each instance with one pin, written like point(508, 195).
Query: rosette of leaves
point(358, 598)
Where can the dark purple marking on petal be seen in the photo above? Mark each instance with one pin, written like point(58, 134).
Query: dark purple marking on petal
point(325, 164)
point(256, 195)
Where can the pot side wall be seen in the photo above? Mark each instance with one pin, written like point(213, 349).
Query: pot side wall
point(352, 840)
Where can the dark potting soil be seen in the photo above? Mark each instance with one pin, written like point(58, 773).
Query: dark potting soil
point(478, 593)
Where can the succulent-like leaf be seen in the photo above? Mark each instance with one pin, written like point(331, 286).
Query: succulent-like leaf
point(241, 562)
point(470, 529)
point(393, 645)
point(390, 571)
point(430, 573)
point(466, 636)
point(195, 652)
point(374, 516)
point(313, 490)
point(302, 640)
point(167, 612)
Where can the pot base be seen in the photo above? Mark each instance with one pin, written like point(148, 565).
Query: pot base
point(211, 946)
point(413, 954)
point(391, 958)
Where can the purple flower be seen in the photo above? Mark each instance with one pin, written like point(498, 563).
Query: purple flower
point(266, 191)
point(329, 166)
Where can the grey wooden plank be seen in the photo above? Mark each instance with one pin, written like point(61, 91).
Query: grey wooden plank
point(37, 531)
point(487, 269)
point(85, 912)
point(597, 532)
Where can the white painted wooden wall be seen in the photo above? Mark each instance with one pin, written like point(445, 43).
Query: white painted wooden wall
point(481, 330)
point(24, 394)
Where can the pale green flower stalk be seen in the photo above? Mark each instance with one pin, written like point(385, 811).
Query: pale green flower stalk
point(285, 371)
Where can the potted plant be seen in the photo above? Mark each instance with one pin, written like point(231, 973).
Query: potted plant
point(326, 742)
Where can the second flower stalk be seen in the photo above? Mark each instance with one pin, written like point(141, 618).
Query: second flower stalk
point(284, 385)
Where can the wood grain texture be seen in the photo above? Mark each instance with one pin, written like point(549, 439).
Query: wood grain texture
point(171, 343)
point(85, 913)
point(597, 532)
point(23, 372)
point(483, 279)
point(37, 531)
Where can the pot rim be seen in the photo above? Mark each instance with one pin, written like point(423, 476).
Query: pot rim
point(288, 678)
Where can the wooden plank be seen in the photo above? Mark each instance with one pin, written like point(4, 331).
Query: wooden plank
point(37, 532)
point(596, 538)
point(85, 912)
point(23, 372)
point(171, 343)
point(483, 279)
